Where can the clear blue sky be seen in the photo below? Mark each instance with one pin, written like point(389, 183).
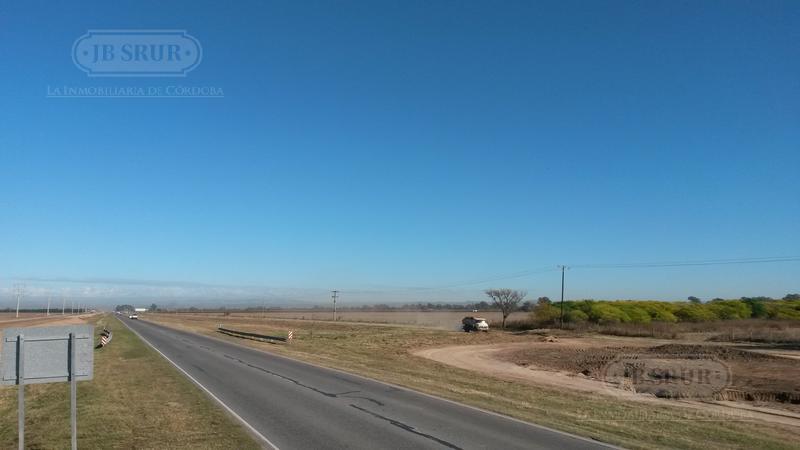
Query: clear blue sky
point(380, 145)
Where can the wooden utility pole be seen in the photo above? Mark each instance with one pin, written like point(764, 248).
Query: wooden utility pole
point(563, 268)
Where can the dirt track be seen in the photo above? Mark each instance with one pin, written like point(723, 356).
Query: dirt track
point(496, 360)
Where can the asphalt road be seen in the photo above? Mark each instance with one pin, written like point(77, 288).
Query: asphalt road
point(294, 405)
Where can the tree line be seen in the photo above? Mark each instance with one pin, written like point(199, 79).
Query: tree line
point(545, 313)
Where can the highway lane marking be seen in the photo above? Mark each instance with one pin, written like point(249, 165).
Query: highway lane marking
point(227, 408)
point(399, 388)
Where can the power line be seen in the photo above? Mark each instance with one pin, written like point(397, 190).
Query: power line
point(525, 273)
point(708, 262)
point(520, 274)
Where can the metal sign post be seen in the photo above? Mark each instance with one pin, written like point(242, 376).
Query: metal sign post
point(21, 390)
point(73, 393)
point(47, 355)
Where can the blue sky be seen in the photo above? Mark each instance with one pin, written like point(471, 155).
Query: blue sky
point(377, 146)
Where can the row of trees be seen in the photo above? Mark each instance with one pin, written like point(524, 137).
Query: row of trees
point(605, 312)
point(545, 313)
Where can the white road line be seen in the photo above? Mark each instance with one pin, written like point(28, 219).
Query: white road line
point(406, 389)
point(227, 408)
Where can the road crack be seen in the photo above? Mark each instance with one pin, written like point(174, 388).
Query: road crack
point(408, 428)
point(312, 388)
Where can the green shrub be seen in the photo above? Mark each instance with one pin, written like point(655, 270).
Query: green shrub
point(647, 312)
point(757, 306)
point(783, 310)
point(603, 313)
point(545, 314)
point(660, 311)
point(575, 316)
point(730, 309)
point(694, 313)
point(636, 313)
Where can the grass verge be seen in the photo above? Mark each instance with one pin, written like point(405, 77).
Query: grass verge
point(383, 353)
point(136, 400)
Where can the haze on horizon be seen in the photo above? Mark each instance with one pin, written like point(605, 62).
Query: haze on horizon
point(398, 155)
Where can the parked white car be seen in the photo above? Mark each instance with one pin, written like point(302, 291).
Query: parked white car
point(470, 323)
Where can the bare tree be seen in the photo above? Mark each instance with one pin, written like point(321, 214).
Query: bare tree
point(505, 299)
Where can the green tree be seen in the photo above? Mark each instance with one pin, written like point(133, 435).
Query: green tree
point(757, 307)
point(730, 309)
point(694, 299)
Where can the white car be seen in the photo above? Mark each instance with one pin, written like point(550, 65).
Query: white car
point(133, 316)
point(470, 323)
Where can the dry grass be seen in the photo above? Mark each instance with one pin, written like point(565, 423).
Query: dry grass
point(446, 320)
point(767, 331)
point(382, 352)
point(136, 400)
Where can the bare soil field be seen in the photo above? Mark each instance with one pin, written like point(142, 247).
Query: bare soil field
point(33, 320)
point(754, 376)
point(445, 320)
point(761, 385)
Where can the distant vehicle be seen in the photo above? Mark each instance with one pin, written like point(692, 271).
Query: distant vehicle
point(133, 316)
point(470, 323)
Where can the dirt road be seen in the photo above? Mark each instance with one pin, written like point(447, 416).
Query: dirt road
point(492, 360)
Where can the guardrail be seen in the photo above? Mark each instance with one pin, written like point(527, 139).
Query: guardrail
point(254, 336)
point(105, 338)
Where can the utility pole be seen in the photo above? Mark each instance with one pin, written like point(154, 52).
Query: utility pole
point(563, 268)
point(63, 304)
point(48, 305)
point(335, 294)
point(19, 290)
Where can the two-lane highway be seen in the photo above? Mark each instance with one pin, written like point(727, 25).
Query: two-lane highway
point(294, 405)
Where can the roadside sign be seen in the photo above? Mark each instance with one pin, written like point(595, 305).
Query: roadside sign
point(47, 355)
